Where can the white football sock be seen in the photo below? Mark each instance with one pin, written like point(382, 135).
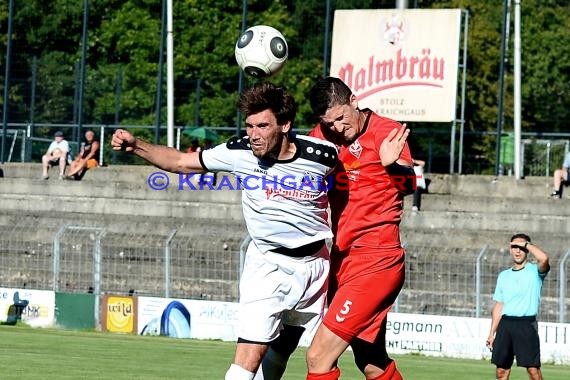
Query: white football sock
point(235, 372)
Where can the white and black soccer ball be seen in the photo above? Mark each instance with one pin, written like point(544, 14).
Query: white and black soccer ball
point(261, 51)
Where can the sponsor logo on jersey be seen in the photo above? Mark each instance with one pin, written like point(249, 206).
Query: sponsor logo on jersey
point(355, 149)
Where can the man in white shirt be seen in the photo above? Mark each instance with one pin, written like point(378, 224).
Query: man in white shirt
point(561, 177)
point(285, 276)
point(56, 155)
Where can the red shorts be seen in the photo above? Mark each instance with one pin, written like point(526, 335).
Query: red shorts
point(364, 286)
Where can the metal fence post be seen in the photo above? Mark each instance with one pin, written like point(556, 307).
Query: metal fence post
point(56, 253)
point(97, 254)
point(547, 173)
point(167, 255)
point(97, 274)
point(101, 144)
point(562, 283)
point(478, 282)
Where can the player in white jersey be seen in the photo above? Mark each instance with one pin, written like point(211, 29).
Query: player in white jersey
point(285, 277)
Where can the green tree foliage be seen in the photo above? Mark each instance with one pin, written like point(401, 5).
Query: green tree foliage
point(124, 43)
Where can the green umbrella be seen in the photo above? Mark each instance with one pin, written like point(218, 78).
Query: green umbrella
point(201, 133)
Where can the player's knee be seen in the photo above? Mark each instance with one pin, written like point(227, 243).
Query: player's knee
point(534, 373)
point(502, 373)
point(312, 357)
point(288, 340)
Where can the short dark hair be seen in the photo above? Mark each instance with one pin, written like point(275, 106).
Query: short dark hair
point(267, 96)
point(519, 236)
point(328, 92)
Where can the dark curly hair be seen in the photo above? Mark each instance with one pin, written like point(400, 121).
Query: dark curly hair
point(265, 95)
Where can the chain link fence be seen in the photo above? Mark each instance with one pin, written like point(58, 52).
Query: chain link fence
point(203, 262)
point(461, 281)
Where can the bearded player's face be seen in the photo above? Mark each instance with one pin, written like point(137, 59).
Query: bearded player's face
point(265, 135)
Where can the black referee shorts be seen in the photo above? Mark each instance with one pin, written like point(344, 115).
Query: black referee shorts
point(516, 337)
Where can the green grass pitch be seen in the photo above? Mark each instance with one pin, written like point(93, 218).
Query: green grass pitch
point(35, 353)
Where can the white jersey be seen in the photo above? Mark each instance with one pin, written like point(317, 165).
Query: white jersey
point(285, 201)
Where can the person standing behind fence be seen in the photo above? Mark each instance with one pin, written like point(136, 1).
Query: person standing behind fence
point(88, 157)
point(561, 177)
point(514, 327)
point(367, 259)
point(56, 154)
point(421, 185)
point(285, 276)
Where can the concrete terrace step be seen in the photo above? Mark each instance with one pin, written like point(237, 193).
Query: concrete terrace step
point(454, 230)
point(121, 206)
point(538, 205)
point(503, 186)
point(480, 221)
point(136, 174)
point(35, 221)
point(500, 187)
point(178, 191)
point(429, 237)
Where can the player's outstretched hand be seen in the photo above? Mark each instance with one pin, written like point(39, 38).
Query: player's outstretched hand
point(123, 140)
point(393, 145)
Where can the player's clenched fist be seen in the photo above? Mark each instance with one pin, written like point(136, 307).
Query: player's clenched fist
point(123, 140)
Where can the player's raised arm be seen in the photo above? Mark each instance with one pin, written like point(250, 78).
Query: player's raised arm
point(541, 257)
point(163, 157)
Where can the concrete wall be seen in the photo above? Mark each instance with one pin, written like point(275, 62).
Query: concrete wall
point(459, 216)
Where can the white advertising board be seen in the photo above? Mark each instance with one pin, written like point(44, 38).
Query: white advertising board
point(40, 311)
point(459, 337)
point(402, 64)
point(433, 335)
point(205, 319)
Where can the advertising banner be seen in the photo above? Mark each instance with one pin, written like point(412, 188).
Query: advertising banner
point(118, 313)
point(180, 318)
point(37, 306)
point(195, 319)
point(402, 64)
point(460, 337)
point(434, 335)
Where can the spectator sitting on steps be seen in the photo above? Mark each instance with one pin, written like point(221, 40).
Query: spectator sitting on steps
point(86, 159)
point(56, 155)
point(421, 185)
point(561, 177)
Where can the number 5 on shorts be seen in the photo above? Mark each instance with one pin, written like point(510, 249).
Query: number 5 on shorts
point(341, 316)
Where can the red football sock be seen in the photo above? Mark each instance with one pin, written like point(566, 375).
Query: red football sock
point(331, 375)
point(390, 373)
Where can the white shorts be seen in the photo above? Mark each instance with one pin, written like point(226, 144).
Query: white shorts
point(276, 289)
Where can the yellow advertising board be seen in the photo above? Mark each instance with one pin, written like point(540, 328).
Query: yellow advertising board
point(119, 314)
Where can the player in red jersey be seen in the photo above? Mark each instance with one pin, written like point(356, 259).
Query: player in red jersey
point(366, 199)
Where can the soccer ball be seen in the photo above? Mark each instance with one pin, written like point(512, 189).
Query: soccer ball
point(261, 51)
